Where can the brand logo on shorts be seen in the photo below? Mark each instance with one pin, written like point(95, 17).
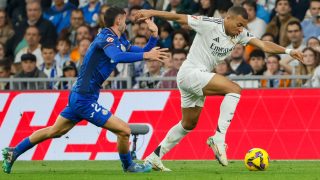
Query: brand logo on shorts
point(104, 112)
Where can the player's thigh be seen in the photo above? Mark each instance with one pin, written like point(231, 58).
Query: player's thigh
point(61, 126)
point(220, 85)
point(117, 126)
point(190, 117)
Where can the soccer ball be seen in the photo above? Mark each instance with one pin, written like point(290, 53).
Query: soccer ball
point(256, 159)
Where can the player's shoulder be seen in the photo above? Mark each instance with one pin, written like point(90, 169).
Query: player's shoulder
point(215, 20)
point(106, 35)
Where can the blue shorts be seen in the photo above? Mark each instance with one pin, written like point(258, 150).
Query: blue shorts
point(85, 107)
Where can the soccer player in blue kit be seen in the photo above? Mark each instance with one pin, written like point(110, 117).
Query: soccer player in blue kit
point(109, 48)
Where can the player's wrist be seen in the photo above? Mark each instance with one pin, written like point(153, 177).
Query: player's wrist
point(288, 51)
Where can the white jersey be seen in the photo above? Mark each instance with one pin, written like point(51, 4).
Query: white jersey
point(211, 44)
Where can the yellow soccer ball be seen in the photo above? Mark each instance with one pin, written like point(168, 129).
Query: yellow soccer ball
point(257, 160)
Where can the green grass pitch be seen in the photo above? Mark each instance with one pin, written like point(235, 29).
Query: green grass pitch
point(94, 170)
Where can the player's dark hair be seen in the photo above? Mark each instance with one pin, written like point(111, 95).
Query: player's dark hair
point(294, 23)
point(251, 3)
point(111, 14)
point(257, 53)
point(238, 10)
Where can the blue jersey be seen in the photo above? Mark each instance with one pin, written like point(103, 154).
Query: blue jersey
point(103, 55)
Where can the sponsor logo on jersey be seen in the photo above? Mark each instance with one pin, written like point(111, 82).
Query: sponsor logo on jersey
point(110, 39)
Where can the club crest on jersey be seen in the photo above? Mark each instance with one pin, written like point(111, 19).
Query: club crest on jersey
point(110, 39)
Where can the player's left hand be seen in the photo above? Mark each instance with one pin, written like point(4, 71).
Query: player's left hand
point(152, 27)
point(142, 15)
point(296, 54)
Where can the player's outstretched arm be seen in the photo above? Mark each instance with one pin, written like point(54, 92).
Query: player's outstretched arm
point(273, 48)
point(145, 14)
point(153, 40)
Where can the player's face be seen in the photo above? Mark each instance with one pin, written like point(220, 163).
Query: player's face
point(234, 24)
point(122, 23)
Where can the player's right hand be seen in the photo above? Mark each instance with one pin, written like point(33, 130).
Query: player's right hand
point(157, 54)
point(296, 54)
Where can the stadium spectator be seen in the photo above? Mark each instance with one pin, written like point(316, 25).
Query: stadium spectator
point(32, 36)
point(91, 11)
point(139, 67)
point(5, 72)
point(69, 71)
point(314, 43)
point(34, 18)
point(222, 8)
point(255, 25)
point(257, 62)
point(168, 63)
point(237, 62)
point(310, 62)
point(29, 70)
point(178, 57)
point(223, 68)
point(268, 37)
point(165, 34)
point(102, 11)
point(278, 24)
point(83, 32)
point(295, 37)
point(180, 39)
point(63, 54)
point(16, 68)
point(153, 70)
point(143, 29)
point(16, 11)
point(83, 47)
point(132, 26)
point(273, 68)
point(49, 65)
point(2, 52)
point(315, 80)
point(299, 8)
point(207, 8)
point(76, 21)
point(311, 26)
point(6, 30)
point(144, 4)
point(59, 14)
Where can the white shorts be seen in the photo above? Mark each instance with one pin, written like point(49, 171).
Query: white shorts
point(191, 80)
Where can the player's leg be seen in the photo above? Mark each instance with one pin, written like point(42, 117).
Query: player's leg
point(220, 85)
point(60, 127)
point(189, 121)
point(122, 130)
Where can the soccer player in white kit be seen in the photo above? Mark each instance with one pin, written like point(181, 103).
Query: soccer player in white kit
point(213, 42)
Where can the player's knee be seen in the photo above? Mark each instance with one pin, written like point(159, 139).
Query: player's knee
point(125, 132)
point(189, 125)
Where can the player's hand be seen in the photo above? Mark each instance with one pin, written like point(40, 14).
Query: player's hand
point(142, 15)
point(296, 54)
point(152, 27)
point(157, 54)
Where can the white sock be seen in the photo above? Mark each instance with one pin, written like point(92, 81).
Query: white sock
point(175, 134)
point(227, 109)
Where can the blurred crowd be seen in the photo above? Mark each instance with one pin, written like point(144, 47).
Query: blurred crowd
point(49, 38)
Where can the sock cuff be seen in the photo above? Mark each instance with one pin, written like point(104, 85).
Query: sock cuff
point(183, 129)
point(235, 95)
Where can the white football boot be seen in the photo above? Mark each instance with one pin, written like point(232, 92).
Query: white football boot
point(155, 162)
point(219, 148)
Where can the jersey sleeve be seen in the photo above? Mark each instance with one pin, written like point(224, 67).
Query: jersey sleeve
point(245, 37)
point(202, 23)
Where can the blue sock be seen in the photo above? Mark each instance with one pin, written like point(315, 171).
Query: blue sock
point(126, 159)
point(23, 146)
